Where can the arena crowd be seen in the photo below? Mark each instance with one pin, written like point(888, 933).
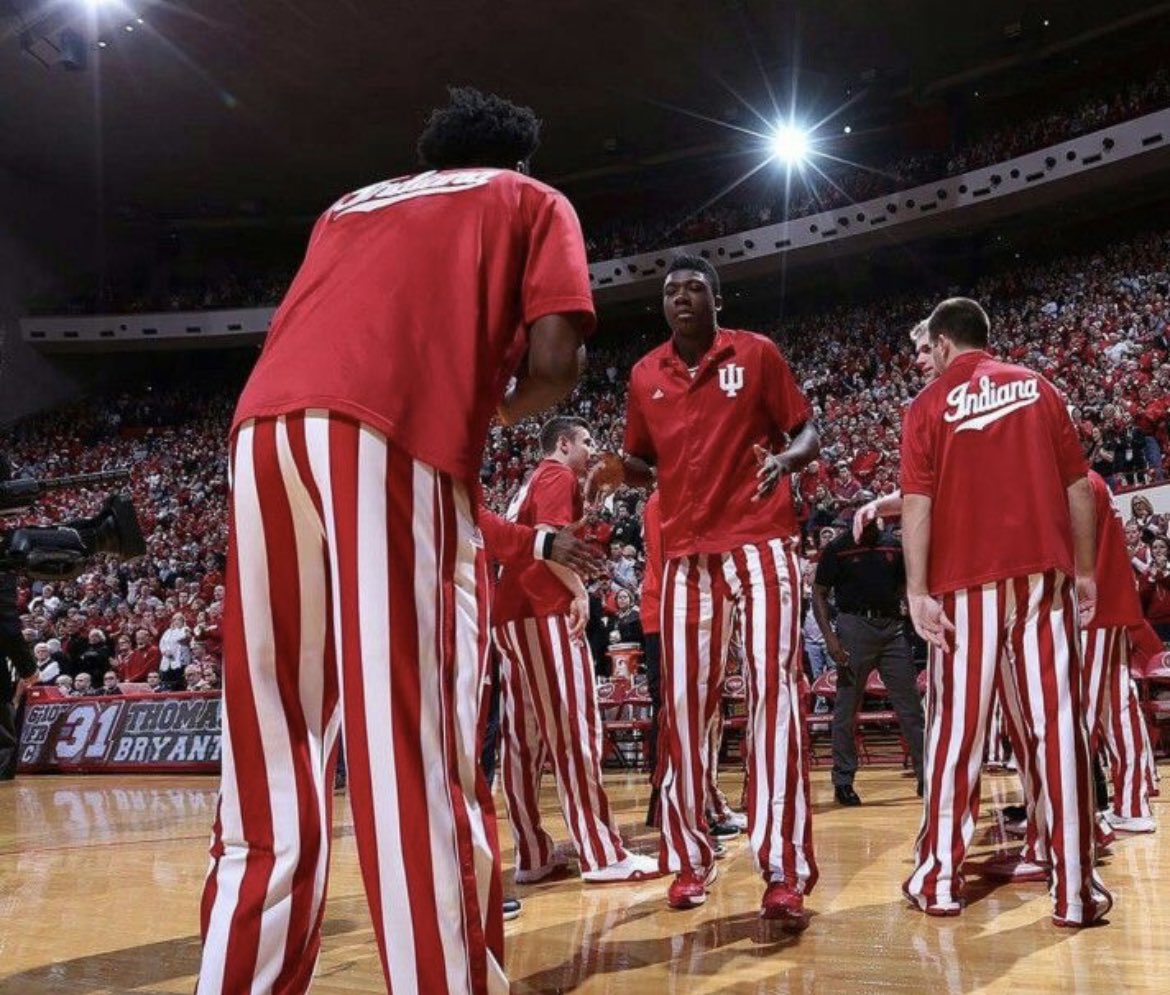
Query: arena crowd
point(1096, 325)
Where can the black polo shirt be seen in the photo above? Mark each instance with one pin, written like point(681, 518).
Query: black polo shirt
point(865, 578)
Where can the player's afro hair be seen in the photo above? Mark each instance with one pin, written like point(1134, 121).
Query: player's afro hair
point(478, 129)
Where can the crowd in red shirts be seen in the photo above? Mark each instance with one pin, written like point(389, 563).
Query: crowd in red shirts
point(1097, 325)
point(159, 613)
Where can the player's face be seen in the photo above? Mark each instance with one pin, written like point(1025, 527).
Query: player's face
point(924, 359)
point(581, 450)
point(689, 303)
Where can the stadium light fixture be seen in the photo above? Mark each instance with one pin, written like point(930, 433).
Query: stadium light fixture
point(790, 144)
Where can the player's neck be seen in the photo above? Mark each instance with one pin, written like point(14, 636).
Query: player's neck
point(563, 460)
point(692, 348)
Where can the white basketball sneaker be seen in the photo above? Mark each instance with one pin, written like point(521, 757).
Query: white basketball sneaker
point(1124, 824)
point(632, 867)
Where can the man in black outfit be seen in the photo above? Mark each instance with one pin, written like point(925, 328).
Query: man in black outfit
point(868, 579)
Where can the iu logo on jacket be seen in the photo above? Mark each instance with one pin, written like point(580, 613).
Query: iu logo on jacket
point(731, 379)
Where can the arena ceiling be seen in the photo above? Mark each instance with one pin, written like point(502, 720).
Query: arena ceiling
point(222, 107)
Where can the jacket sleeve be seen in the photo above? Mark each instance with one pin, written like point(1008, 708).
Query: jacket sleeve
point(508, 543)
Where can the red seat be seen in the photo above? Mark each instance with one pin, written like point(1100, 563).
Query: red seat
point(1153, 679)
point(825, 686)
point(1156, 670)
point(875, 713)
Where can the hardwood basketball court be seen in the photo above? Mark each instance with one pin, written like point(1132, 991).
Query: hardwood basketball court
point(100, 880)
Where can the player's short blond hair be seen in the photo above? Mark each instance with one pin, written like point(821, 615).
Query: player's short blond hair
point(920, 331)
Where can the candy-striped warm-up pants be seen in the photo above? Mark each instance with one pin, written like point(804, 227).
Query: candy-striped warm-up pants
point(1026, 630)
point(356, 596)
point(1114, 717)
point(549, 706)
point(699, 592)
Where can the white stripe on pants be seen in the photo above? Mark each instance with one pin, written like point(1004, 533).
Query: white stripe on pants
point(354, 586)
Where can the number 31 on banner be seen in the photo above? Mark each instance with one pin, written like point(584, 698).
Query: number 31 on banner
point(89, 729)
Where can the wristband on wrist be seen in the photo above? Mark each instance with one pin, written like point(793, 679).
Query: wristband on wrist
point(544, 544)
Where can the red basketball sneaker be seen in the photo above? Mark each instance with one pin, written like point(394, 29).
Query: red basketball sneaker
point(785, 906)
point(689, 888)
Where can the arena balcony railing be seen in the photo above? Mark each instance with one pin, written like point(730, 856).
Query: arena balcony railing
point(1115, 155)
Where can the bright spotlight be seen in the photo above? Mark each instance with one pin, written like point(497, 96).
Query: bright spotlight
point(789, 144)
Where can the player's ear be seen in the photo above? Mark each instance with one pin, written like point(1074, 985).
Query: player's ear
point(718, 302)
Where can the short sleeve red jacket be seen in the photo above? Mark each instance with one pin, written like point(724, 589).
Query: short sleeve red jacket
point(552, 496)
point(1118, 603)
point(992, 445)
point(409, 312)
point(699, 433)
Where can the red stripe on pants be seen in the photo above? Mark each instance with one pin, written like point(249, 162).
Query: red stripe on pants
point(1025, 629)
point(557, 686)
point(353, 575)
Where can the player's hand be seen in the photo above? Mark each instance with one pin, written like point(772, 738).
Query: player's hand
point(863, 516)
point(1086, 599)
point(578, 615)
point(772, 466)
point(606, 475)
point(581, 557)
point(835, 649)
point(930, 622)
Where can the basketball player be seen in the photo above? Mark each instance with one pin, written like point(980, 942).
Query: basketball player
point(995, 591)
point(548, 694)
point(890, 505)
point(520, 545)
point(710, 408)
point(355, 583)
point(1105, 683)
